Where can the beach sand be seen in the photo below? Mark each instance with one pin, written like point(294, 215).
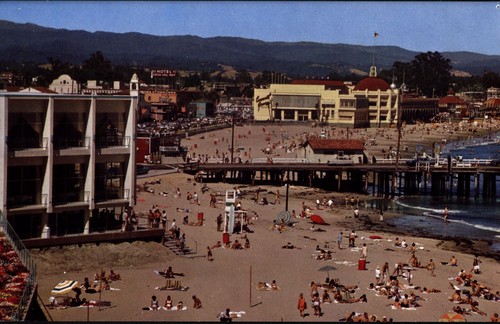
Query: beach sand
point(230, 280)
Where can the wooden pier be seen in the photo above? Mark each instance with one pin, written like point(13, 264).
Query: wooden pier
point(380, 180)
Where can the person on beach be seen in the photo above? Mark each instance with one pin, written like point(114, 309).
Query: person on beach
point(453, 261)
point(197, 302)
point(169, 303)
point(225, 316)
point(339, 240)
point(445, 214)
point(154, 303)
point(385, 272)
point(431, 266)
point(209, 254)
point(494, 318)
point(475, 265)
point(219, 223)
point(377, 275)
point(301, 306)
point(352, 238)
point(364, 251)
point(277, 199)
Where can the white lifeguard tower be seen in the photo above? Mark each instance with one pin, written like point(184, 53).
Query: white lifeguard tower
point(229, 215)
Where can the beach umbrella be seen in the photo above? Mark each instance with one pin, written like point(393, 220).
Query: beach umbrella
point(284, 217)
point(64, 287)
point(317, 220)
point(452, 317)
point(327, 269)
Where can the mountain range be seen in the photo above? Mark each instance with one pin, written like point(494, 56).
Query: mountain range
point(33, 43)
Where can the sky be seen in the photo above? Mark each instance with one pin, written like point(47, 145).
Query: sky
point(417, 26)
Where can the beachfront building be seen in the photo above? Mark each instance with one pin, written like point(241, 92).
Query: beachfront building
point(334, 151)
point(453, 104)
point(370, 103)
point(67, 161)
point(64, 84)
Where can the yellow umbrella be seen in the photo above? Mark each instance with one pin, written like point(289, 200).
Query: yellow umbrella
point(64, 287)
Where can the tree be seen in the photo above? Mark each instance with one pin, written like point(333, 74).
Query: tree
point(96, 67)
point(490, 79)
point(431, 73)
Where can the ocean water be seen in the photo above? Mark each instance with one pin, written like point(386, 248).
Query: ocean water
point(474, 218)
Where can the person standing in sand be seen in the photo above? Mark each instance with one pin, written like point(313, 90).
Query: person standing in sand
point(301, 306)
point(339, 240)
point(364, 251)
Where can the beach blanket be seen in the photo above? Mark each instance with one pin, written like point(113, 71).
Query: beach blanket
point(346, 263)
point(173, 285)
point(95, 303)
point(264, 286)
point(174, 308)
point(404, 308)
point(164, 274)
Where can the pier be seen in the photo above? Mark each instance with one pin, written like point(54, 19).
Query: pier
point(463, 180)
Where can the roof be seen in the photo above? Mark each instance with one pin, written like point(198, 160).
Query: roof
point(450, 99)
point(493, 103)
point(336, 144)
point(333, 83)
point(372, 84)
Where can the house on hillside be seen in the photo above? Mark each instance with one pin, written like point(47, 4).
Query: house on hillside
point(335, 151)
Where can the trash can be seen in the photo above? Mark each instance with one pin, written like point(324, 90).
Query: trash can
point(225, 238)
point(200, 216)
point(362, 264)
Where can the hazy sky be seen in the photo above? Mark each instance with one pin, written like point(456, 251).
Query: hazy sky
point(418, 26)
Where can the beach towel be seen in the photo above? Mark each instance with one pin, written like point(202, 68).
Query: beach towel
point(264, 286)
point(173, 285)
point(174, 308)
point(404, 308)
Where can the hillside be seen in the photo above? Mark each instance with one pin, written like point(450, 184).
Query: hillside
point(29, 42)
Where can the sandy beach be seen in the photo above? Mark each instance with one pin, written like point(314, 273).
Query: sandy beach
point(231, 279)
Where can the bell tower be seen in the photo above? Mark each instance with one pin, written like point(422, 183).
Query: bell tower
point(134, 86)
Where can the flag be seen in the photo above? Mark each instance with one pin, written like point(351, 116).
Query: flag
point(375, 35)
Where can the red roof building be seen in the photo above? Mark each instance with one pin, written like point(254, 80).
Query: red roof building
point(320, 150)
point(372, 84)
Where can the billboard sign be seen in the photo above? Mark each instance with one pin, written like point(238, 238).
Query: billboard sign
point(163, 73)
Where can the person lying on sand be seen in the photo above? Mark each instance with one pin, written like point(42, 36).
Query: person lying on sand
point(289, 246)
point(217, 245)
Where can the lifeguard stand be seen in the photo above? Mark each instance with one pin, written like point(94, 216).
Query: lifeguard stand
point(229, 215)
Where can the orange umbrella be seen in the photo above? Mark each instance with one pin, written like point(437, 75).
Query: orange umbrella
point(452, 317)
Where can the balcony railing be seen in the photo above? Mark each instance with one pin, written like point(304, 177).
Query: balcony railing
point(71, 197)
point(112, 140)
point(68, 142)
point(14, 201)
point(105, 195)
point(27, 143)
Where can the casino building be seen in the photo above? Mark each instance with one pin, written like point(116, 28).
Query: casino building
point(369, 103)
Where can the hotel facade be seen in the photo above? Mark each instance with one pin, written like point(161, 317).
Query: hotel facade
point(68, 161)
